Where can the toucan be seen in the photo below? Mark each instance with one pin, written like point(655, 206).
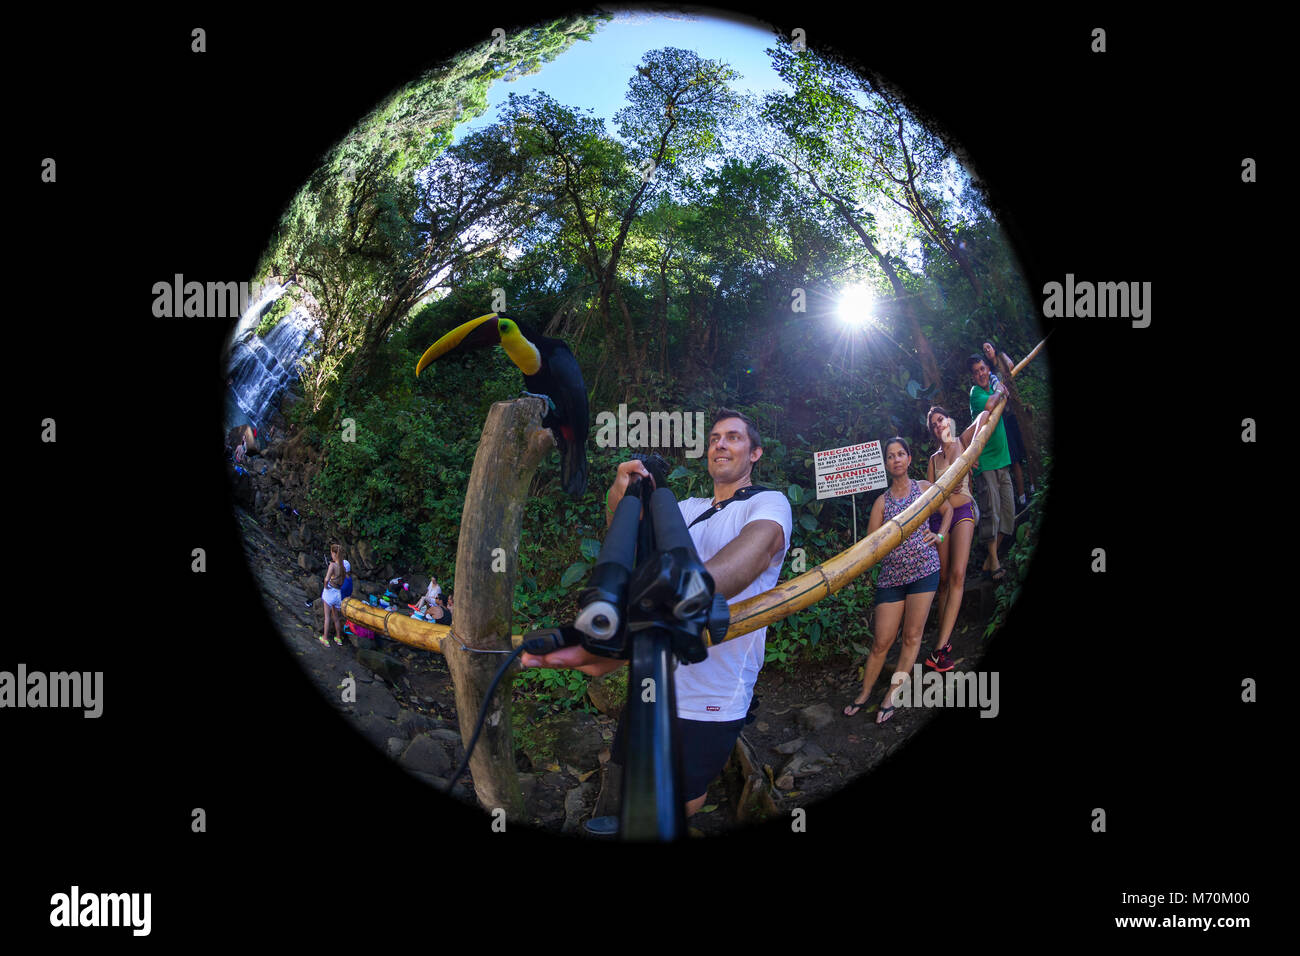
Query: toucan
point(550, 370)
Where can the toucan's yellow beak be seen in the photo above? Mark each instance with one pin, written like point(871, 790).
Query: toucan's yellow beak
point(450, 341)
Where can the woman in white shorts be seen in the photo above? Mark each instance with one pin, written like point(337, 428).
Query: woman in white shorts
point(332, 598)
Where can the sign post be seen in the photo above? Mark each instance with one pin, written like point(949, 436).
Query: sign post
point(848, 471)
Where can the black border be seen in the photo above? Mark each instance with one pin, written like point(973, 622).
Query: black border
point(1119, 690)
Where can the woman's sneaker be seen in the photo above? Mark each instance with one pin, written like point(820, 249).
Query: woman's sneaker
point(941, 658)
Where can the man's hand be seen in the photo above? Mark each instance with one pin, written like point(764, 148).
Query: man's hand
point(948, 431)
point(621, 480)
point(574, 658)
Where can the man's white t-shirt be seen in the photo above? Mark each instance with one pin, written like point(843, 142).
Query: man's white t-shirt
point(719, 687)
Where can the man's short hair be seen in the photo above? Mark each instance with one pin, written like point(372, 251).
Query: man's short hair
point(751, 429)
point(970, 362)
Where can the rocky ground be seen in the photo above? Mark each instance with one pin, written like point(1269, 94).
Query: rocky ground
point(799, 748)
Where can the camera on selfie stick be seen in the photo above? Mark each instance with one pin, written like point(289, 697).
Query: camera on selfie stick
point(649, 601)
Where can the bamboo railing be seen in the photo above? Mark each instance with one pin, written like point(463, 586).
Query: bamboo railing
point(788, 597)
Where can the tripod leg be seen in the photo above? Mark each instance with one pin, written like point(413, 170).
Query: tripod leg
point(652, 783)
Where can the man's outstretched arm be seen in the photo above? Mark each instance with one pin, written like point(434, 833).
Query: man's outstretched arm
point(735, 567)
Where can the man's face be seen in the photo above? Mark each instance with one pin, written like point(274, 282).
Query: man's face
point(980, 373)
point(730, 454)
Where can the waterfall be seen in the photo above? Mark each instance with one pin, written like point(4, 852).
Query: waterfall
point(259, 369)
point(253, 314)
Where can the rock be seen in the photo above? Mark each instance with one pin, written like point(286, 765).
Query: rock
point(551, 817)
point(375, 729)
point(303, 561)
point(427, 755)
point(365, 556)
point(816, 716)
point(809, 760)
point(785, 783)
point(528, 787)
point(762, 727)
point(812, 751)
point(790, 746)
point(446, 735)
point(553, 781)
point(608, 693)
point(576, 803)
point(577, 740)
point(375, 699)
point(412, 722)
point(244, 432)
point(389, 668)
point(395, 746)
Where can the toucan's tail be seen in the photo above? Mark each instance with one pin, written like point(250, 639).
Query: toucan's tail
point(573, 468)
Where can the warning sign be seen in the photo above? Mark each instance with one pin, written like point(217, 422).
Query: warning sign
point(849, 470)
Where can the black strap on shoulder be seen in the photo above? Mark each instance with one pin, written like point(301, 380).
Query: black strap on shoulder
point(746, 492)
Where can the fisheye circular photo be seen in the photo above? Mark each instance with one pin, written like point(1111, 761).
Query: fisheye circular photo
point(640, 426)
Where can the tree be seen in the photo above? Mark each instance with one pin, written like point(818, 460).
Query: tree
point(678, 102)
point(825, 141)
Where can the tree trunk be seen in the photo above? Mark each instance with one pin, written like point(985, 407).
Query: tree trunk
point(637, 364)
point(513, 443)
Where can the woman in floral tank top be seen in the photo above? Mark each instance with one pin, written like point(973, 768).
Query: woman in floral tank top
point(909, 576)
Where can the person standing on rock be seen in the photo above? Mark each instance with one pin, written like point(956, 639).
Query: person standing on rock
point(742, 540)
point(909, 578)
point(332, 597)
point(430, 596)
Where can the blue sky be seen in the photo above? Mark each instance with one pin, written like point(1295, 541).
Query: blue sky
point(595, 75)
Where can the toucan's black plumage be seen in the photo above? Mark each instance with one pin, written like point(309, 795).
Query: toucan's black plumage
point(549, 369)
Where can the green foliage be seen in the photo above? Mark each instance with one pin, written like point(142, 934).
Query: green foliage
point(839, 625)
point(696, 266)
point(555, 689)
point(278, 310)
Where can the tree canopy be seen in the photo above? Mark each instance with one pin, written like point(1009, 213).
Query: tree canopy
point(691, 251)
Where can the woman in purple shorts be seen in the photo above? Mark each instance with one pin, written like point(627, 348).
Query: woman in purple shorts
point(909, 576)
point(954, 547)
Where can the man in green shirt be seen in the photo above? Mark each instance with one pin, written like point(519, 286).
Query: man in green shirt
point(997, 505)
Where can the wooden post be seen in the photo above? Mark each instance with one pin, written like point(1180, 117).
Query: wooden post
point(512, 445)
